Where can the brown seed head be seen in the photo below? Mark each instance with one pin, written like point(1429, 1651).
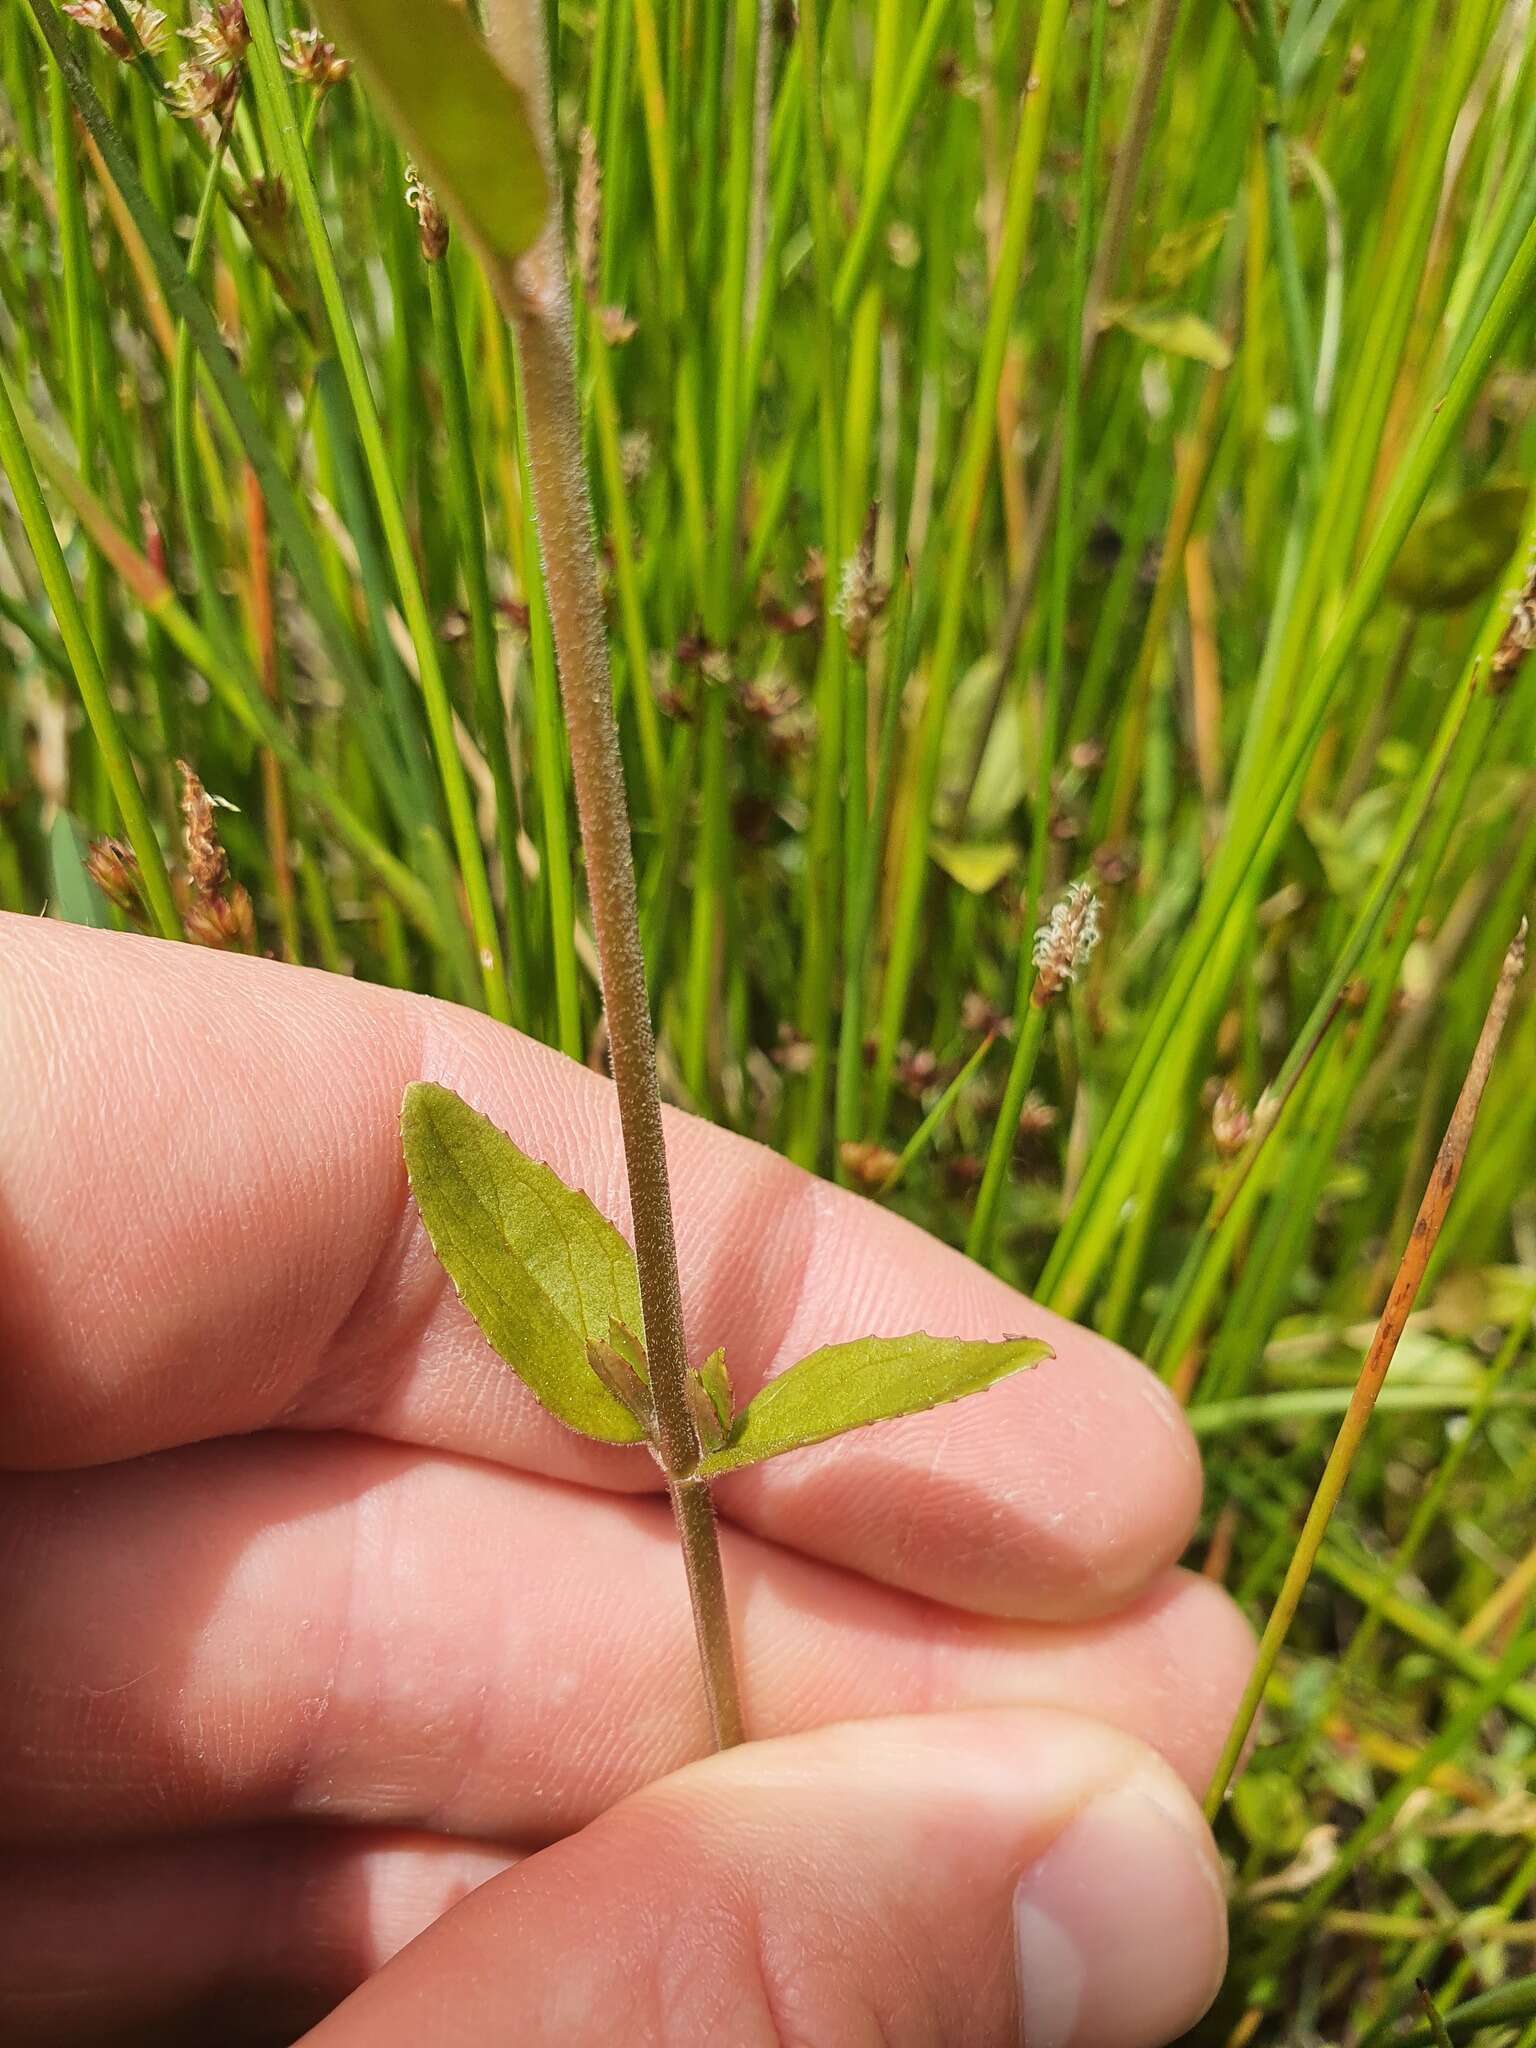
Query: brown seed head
point(113, 866)
point(769, 697)
point(430, 218)
point(1516, 641)
point(219, 34)
point(636, 451)
point(1114, 862)
point(207, 865)
point(867, 1163)
point(1036, 1115)
point(148, 24)
point(1231, 1124)
point(796, 1055)
point(1064, 942)
point(194, 92)
point(226, 923)
point(917, 1068)
point(978, 1013)
point(860, 599)
point(588, 216)
point(314, 61)
point(616, 326)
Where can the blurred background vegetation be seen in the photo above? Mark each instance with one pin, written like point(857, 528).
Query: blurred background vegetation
point(1037, 447)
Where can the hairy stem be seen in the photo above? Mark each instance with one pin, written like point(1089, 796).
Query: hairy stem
point(535, 295)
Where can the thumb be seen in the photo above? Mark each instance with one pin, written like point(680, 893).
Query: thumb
point(984, 1877)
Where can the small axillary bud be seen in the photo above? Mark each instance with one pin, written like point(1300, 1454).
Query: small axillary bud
point(711, 1402)
point(623, 1382)
point(706, 1419)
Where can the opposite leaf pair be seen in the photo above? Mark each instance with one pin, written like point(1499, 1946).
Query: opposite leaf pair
point(553, 1286)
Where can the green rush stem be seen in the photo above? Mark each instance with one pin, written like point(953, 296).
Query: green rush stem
point(964, 519)
point(861, 928)
point(1373, 1372)
point(885, 155)
point(1293, 305)
point(1404, 1557)
point(236, 687)
point(1156, 42)
point(1451, 1742)
point(823, 868)
point(702, 1009)
point(186, 303)
point(75, 270)
point(980, 1236)
point(556, 858)
point(469, 524)
point(1250, 1411)
point(276, 104)
point(982, 1233)
point(1259, 825)
point(918, 1143)
point(1212, 1247)
point(605, 413)
point(193, 506)
point(89, 680)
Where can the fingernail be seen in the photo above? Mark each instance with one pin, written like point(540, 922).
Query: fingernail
point(1120, 1926)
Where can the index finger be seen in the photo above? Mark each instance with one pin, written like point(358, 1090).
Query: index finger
point(205, 1230)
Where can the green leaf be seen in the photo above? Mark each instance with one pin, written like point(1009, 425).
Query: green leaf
point(1002, 780)
point(538, 1268)
point(978, 868)
point(76, 898)
point(1456, 551)
point(1183, 250)
point(874, 1379)
point(1178, 333)
point(464, 121)
point(1270, 1811)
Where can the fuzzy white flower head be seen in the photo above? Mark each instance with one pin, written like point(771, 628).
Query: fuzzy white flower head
point(1064, 942)
point(148, 24)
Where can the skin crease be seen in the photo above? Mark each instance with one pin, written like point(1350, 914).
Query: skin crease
point(313, 1621)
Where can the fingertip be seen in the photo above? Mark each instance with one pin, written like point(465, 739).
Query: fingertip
point(1120, 1926)
point(926, 1881)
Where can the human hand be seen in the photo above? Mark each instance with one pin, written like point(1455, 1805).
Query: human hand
point(316, 1623)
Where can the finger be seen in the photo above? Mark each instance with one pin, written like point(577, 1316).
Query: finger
point(237, 1938)
point(985, 1879)
point(204, 1228)
point(449, 1646)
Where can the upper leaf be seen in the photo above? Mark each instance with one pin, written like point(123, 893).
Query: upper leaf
point(977, 865)
point(874, 1379)
point(538, 1268)
point(1177, 332)
point(1456, 551)
point(1181, 252)
point(465, 122)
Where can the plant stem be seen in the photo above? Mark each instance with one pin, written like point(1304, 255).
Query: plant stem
point(536, 297)
point(1373, 1373)
point(83, 660)
point(695, 1512)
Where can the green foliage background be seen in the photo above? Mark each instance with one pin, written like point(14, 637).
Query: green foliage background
point(884, 692)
